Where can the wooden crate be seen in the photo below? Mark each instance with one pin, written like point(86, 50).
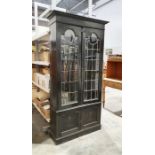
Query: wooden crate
point(33, 48)
point(34, 70)
point(41, 95)
point(44, 56)
point(44, 48)
point(46, 112)
point(34, 92)
point(40, 106)
point(33, 56)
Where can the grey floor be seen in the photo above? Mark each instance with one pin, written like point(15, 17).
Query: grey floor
point(107, 141)
point(113, 98)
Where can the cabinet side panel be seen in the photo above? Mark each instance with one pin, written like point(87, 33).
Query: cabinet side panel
point(53, 66)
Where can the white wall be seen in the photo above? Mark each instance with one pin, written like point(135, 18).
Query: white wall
point(112, 12)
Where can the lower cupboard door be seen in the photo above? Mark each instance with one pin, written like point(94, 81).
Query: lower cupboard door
point(68, 122)
point(90, 116)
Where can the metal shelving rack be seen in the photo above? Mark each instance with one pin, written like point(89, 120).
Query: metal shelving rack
point(41, 35)
point(37, 40)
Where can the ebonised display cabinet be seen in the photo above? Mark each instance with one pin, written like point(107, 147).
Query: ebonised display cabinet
point(76, 60)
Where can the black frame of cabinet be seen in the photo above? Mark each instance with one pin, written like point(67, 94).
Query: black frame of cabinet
point(74, 120)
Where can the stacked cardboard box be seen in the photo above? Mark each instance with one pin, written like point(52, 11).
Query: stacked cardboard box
point(44, 53)
point(42, 80)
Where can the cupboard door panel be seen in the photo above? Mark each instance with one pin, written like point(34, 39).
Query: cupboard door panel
point(92, 59)
point(69, 122)
point(90, 116)
point(70, 65)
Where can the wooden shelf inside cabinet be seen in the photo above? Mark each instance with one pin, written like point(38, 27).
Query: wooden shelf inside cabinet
point(35, 105)
point(42, 63)
point(46, 90)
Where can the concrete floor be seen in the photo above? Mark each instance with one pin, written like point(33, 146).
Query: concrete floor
point(113, 100)
point(107, 141)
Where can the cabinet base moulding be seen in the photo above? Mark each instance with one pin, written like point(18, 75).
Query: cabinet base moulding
point(75, 134)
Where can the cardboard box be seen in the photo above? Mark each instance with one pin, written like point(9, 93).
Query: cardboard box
point(42, 80)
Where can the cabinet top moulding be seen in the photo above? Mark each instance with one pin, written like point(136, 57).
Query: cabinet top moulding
point(73, 19)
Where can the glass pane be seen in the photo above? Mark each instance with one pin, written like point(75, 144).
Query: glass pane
point(91, 68)
point(69, 68)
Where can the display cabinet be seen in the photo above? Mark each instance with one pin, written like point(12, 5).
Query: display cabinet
point(76, 58)
point(67, 75)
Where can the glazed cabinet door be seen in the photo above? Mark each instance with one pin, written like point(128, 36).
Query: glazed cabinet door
point(92, 59)
point(69, 38)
